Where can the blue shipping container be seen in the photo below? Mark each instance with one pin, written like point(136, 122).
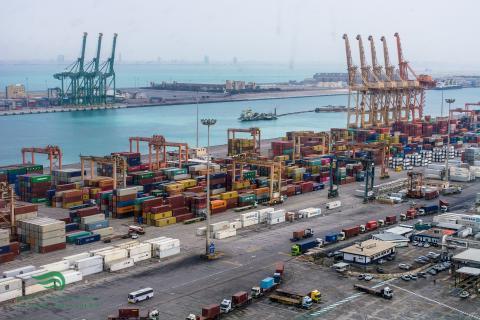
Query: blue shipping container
point(331, 238)
point(5, 249)
point(87, 239)
point(96, 225)
point(267, 283)
point(71, 227)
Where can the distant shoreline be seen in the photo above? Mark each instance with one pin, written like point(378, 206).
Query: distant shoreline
point(233, 98)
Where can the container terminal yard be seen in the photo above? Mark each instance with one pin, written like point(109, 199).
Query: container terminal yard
point(378, 219)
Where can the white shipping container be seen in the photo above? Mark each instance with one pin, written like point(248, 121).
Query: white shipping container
point(88, 262)
point(10, 284)
point(165, 245)
point(253, 215)
point(34, 288)
point(156, 239)
point(201, 231)
point(276, 214)
point(168, 253)
point(16, 272)
point(120, 264)
point(10, 295)
point(114, 254)
point(57, 266)
point(74, 258)
point(222, 225)
point(72, 276)
point(334, 204)
point(263, 214)
point(236, 224)
point(91, 270)
point(225, 234)
point(103, 232)
point(126, 191)
point(140, 248)
point(310, 212)
point(27, 279)
point(247, 223)
point(276, 220)
point(127, 244)
point(94, 252)
point(141, 256)
point(92, 218)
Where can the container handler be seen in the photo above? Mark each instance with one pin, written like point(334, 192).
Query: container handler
point(384, 292)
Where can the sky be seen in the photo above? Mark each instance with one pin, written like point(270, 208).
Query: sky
point(433, 32)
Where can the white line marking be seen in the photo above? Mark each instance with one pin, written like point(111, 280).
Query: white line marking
point(437, 302)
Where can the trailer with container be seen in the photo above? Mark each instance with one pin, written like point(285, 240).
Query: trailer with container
point(451, 190)
point(428, 210)
point(301, 247)
point(384, 292)
point(371, 225)
point(351, 231)
point(238, 300)
point(135, 314)
point(291, 298)
point(389, 220)
point(302, 234)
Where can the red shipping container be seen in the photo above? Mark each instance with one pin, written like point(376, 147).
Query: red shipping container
point(211, 312)
point(7, 257)
point(26, 209)
point(129, 313)
point(176, 201)
point(179, 211)
point(183, 217)
point(85, 212)
point(15, 247)
point(371, 225)
point(390, 220)
point(160, 209)
point(66, 220)
point(53, 247)
point(351, 232)
point(148, 204)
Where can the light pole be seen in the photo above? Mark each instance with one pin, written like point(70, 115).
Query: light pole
point(447, 173)
point(208, 123)
point(196, 99)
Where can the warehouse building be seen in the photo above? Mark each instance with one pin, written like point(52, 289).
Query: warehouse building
point(432, 236)
point(368, 251)
point(396, 239)
point(405, 231)
point(467, 268)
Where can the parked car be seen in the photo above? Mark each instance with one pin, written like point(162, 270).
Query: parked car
point(404, 266)
point(426, 245)
point(406, 277)
point(381, 261)
point(415, 243)
point(380, 270)
point(421, 274)
point(432, 271)
point(391, 258)
point(361, 276)
point(413, 277)
point(368, 277)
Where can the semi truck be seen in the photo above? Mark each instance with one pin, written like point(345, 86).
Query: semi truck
point(384, 292)
point(266, 285)
point(302, 246)
point(291, 298)
point(451, 190)
point(302, 234)
point(351, 232)
point(134, 313)
point(238, 300)
point(428, 210)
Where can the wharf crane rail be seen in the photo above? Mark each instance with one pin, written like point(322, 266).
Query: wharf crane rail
point(118, 162)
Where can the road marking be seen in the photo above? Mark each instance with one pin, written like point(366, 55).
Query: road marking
point(437, 302)
point(345, 300)
point(234, 263)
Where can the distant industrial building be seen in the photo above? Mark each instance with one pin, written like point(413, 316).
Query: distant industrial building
point(396, 239)
point(401, 230)
point(15, 91)
point(368, 251)
point(331, 77)
point(465, 220)
point(432, 236)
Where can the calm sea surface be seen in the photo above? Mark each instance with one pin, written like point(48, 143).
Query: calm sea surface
point(102, 132)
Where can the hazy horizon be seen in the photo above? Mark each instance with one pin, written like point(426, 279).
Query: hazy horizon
point(286, 32)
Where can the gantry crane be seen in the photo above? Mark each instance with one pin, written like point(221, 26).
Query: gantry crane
point(158, 144)
point(415, 184)
point(7, 193)
point(53, 152)
point(323, 139)
point(275, 170)
point(86, 84)
point(118, 162)
point(255, 137)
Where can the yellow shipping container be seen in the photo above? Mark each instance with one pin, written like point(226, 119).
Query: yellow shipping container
point(165, 222)
point(68, 205)
point(86, 197)
point(161, 215)
point(188, 183)
point(229, 195)
point(174, 187)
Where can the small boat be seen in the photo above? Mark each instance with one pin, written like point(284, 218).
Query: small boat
point(250, 115)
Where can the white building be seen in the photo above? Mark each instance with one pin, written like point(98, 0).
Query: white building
point(401, 230)
point(368, 251)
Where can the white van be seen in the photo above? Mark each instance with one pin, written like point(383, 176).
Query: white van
point(140, 295)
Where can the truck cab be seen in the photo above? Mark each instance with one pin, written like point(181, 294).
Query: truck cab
point(226, 306)
point(387, 293)
point(381, 222)
point(307, 302)
point(362, 228)
point(341, 236)
point(256, 291)
point(316, 296)
point(403, 216)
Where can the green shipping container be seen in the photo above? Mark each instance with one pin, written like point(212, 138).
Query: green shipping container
point(73, 236)
point(41, 178)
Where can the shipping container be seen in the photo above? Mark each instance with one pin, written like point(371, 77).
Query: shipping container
point(351, 232)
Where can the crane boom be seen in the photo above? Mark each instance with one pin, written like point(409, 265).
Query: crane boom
point(112, 57)
point(402, 64)
point(99, 48)
point(389, 69)
point(363, 61)
point(351, 68)
point(377, 69)
point(81, 60)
